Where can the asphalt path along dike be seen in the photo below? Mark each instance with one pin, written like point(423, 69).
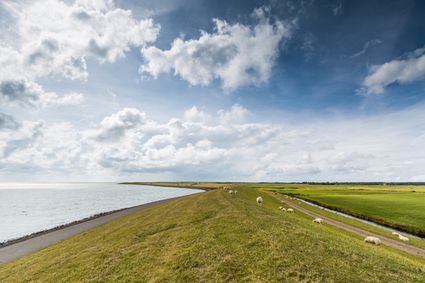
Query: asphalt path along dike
point(17, 248)
point(355, 230)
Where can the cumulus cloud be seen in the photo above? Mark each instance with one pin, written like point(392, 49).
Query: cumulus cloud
point(225, 145)
point(28, 93)
point(58, 43)
point(396, 71)
point(8, 122)
point(114, 127)
point(236, 54)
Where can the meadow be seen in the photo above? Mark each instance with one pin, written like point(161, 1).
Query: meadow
point(400, 207)
point(215, 237)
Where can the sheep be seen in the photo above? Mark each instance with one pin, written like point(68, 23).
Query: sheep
point(259, 200)
point(395, 233)
point(235, 192)
point(280, 207)
point(290, 210)
point(372, 240)
point(231, 192)
point(403, 238)
point(318, 220)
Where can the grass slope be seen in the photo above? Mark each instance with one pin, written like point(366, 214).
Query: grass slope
point(215, 237)
point(401, 207)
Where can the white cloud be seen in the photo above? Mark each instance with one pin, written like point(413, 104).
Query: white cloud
point(202, 145)
point(114, 127)
point(28, 93)
point(195, 115)
point(238, 55)
point(395, 71)
point(368, 44)
point(55, 38)
point(8, 122)
point(236, 115)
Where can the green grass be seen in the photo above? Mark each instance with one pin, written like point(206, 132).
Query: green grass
point(400, 207)
point(215, 237)
point(378, 230)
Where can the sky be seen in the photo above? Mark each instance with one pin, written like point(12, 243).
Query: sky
point(234, 90)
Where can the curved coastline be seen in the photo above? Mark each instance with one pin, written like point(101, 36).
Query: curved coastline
point(15, 248)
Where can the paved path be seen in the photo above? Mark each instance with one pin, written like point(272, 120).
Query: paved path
point(397, 244)
point(24, 247)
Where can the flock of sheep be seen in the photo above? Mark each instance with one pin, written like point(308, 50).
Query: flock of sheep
point(231, 192)
point(368, 239)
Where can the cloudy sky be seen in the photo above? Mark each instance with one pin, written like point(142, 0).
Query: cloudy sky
point(199, 90)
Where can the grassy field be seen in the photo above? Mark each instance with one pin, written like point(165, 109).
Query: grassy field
point(215, 237)
point(356, 223)
point(400, 207)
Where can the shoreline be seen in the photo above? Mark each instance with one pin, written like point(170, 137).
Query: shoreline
point(16, 248)
point(171, 185)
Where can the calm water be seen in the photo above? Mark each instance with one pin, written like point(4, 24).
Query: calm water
point(29, 208)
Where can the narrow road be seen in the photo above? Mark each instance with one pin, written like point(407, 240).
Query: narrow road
point(355, 230)
point(33, 244)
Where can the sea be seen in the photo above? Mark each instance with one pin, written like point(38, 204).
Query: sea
point(27, 208)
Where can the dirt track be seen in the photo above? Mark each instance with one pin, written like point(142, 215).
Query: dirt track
point(358, 231)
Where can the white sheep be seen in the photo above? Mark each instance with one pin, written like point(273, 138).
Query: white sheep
point(395, 233)
point(318, 220)
point(290, 210)
point(235, 192)
point(231, 192)
point(259, 200)
point(372, 240)
point(280, 207)
point(403, 238)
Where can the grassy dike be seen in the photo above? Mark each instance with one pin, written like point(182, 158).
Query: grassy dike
point(215, 237)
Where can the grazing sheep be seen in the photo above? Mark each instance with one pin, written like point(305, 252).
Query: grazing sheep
point(290, 210)
point(280, 207)
point(372, 240)
point(259, 200)
point(235, 192)
point(318, 220)
point(283, 209)
point(403, 238)
point(395, 233)
point(231, 192)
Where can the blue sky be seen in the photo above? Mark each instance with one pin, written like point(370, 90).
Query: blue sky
point(200, 90)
